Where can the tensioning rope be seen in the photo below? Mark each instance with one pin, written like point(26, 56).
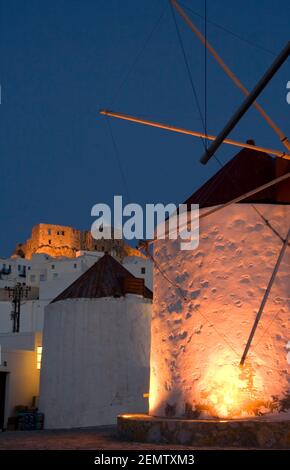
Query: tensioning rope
point(138, 55)
point(228, 31)
point(118, 159)
point(188, 71)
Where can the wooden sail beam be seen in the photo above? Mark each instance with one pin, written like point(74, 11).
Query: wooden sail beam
point(265, 298)
point(230, 73)
point(180, 130)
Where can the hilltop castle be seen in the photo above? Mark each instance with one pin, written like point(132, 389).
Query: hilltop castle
point(62, 241)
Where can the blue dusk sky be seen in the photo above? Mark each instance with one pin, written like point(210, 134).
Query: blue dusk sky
point(64, 60)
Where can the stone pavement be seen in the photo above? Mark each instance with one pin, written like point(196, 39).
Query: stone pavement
point(101, 438)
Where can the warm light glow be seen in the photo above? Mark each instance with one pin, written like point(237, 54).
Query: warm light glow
point(38, 357)
point(155, 394)
point(231, 391)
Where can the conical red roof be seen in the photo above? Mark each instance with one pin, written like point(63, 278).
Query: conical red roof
point(106, 278)
point(248, 170)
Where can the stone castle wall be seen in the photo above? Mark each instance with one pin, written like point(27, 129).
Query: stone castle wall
point(59, 240)
point(54, 240)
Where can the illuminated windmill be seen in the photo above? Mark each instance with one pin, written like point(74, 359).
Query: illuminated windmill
point(233, 288)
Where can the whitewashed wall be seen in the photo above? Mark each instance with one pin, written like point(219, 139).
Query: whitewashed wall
point(31, 316)
point(22, 382)
point(23, 341)
point(95, 361)
point(199, 331)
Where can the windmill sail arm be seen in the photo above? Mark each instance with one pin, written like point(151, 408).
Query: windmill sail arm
point(180, 130)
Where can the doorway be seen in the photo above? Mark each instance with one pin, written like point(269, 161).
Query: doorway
point(2, 397)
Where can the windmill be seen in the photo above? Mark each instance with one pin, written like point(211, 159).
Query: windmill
point(222, 138)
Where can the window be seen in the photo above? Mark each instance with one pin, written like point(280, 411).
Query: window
point(55, 275)
point(62, 232)
point(49, 242)
point(32, 278)
point(29, 268)
point(143, 270)
point(75, 265)
point(52, 266)
point(21, 270)
point(49, 231)
point(42, 277)
point(38, 357)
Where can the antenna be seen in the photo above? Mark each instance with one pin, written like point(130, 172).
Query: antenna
point(17, 293)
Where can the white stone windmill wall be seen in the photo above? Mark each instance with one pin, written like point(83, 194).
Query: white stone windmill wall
point(95, 361)
point(199, 332)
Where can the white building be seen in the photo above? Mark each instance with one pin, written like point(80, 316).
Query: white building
point(19, 372)
point(47, 277)
point(96, 348)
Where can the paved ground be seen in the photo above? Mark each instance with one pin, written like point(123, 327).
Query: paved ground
point(102, 438)
point(99, 438)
